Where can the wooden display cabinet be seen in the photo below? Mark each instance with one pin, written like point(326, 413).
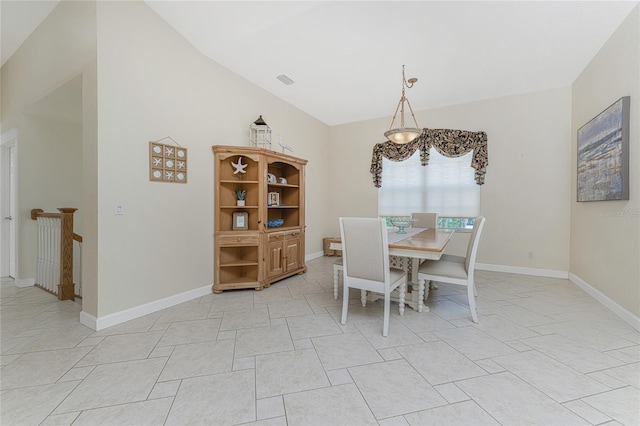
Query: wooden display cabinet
point(256, 255)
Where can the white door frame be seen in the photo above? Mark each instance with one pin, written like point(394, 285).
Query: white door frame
point(8, 204)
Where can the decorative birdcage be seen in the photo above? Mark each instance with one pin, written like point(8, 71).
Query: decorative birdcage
point(260, 134)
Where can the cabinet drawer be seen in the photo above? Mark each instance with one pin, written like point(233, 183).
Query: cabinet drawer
point(238, 240)
point(284, 235)
point(292, 234)
point(277, 236)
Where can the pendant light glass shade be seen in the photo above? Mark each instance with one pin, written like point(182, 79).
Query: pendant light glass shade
point(402, 134)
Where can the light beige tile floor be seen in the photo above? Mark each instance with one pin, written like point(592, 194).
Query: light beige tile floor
point(543, 353)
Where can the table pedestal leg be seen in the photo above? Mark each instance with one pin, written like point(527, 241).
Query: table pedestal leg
point(419, 291)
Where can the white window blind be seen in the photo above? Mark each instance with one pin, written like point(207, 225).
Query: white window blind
point(445, 186)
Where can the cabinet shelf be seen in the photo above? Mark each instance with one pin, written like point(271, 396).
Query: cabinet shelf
point(236, 263)
point(282, 185)
point(238, 207)
point(283, 207)
point(242, 281)
point(282, 228)
point(236, 181)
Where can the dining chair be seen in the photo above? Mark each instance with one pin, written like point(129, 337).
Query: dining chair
point(456, 270)
point(365, 262)
point(425, 220)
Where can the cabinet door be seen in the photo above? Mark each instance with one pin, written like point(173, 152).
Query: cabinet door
point(292, 254)
point(275, 265)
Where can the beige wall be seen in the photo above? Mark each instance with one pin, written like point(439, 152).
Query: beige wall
point(605, 236)
point(526, 193)
point(153, 84)
point(49, 65)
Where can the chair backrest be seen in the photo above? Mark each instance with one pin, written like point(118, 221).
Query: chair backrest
point(472, 248)
point(425, 220)
point(365, 248)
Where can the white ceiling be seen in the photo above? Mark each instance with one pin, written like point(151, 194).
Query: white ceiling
point(346, 57)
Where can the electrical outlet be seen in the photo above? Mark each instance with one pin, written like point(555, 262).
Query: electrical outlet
point(531, 255)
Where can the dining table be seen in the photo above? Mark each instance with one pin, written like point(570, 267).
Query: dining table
point(416, 245)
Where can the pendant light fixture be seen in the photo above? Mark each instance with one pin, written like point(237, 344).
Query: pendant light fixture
point(402, 134)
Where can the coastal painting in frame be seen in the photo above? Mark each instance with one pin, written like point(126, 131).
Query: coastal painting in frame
point(603, 155)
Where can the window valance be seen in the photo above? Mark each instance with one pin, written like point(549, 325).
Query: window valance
point(448, 142)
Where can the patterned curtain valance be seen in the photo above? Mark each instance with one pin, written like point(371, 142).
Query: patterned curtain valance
point(450, 143)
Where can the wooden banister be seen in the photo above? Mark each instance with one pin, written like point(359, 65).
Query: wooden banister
point(36, 213)
point(66, 286)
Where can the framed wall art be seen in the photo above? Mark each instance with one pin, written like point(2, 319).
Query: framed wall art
point(603, 155)
point(167, 163)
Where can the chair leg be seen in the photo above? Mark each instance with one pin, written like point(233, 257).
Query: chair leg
point(402, 290)
point(472, 302)
point(387, 308)
point(363, 298)
point(345, 303)
point(336, 280)
point(421, 285)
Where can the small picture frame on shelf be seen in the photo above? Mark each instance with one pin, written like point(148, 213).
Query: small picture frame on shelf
point(240, 221)
point(273, 199)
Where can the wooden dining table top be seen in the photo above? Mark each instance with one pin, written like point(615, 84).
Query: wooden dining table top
point(421, 243)
point(429, 239)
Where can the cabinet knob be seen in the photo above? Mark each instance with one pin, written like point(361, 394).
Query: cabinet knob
point(239, 239)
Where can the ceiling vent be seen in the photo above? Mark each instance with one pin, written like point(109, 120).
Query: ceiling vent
point(286, 80)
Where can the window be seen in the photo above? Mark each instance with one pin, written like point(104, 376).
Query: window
point(445, 186)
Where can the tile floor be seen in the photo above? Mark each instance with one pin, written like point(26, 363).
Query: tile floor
point(543, 353)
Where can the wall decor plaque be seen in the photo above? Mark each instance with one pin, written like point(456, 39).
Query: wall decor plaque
point(167, 163)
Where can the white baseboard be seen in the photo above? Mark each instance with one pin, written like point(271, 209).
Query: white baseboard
point(116, 318)
point(24, 282)
point(537, 272)
point(627, 316)
point(312, 256)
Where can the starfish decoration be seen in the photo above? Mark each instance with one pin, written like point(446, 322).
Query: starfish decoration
point(157, 161)
point(240, 168)
point(181, 164)
point(169, 175)
point(169, 151)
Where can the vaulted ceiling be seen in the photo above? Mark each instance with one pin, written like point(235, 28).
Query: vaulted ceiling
point(346, 57)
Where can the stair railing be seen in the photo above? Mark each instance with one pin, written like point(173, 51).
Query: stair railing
point(55, 251)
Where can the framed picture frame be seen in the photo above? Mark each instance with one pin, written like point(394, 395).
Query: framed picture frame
point(240, 221)
point(167, 163)
point(273, 199)
point(603, 155)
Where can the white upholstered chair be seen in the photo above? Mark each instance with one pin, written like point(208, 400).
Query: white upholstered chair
point(425, 220)
point(365, 254)
point(456, 269)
